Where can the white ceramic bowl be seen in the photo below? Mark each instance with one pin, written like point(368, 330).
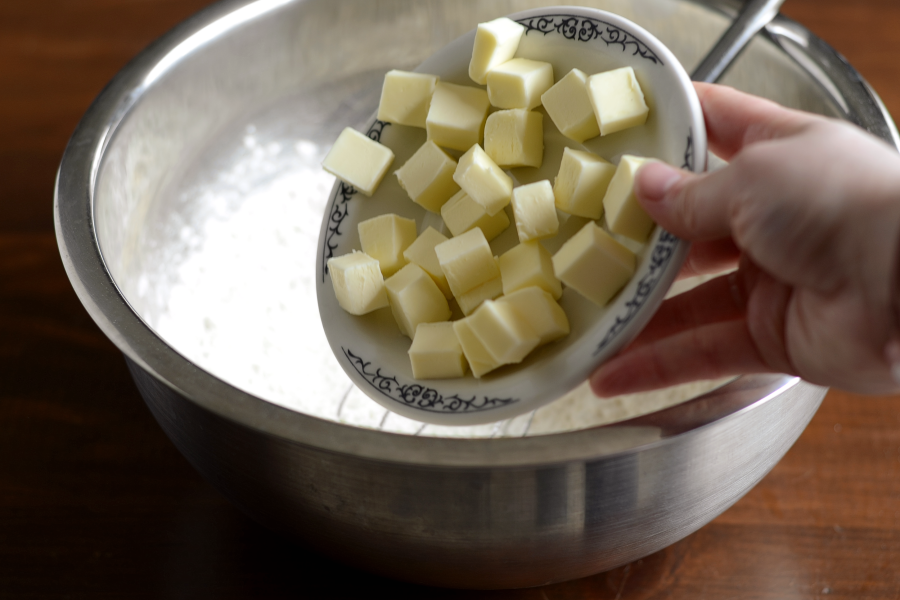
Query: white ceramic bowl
point(371, 348)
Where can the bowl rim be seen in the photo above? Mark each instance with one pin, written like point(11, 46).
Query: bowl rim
point(98, 292)
point(510, 393)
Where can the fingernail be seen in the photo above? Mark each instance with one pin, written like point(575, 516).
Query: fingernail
point(654, 181)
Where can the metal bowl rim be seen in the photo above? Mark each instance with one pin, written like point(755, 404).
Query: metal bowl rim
point(93, 283)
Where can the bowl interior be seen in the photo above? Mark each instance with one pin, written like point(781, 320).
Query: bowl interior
point(231, 130)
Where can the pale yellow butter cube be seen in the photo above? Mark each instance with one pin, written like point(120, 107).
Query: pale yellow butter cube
point(545, 316)
point(529, 264)
point(428, 177)
point(421, 252)
point(483, 180)
point(467, 261)
point(435, 352)
point(479, 359)
point(385, 238)
point(623, 213)
point(594, 264)
point(489, 290)
point(461, 213)
point(515, 138)
point(507, 337)
point(358, 283)
point(415, 298)
point(358, 160)
point(617, 99)
point(569, 107)
point(582, 182)
point(456, 116)
point(534, 208)
point(495, 43)
point(519, 83)
point(406, 97)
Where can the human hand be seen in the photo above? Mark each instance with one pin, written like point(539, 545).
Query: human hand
point(808, 209)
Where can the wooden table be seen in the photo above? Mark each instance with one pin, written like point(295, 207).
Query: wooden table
point(95, 502)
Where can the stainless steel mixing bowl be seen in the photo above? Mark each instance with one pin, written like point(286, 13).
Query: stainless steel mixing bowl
point(483, 513)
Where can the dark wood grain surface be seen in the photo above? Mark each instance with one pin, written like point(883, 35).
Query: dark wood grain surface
point(95, 502)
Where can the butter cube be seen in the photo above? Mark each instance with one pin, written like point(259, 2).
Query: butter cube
point(428, 177)
point(435, 352)
point(623, 213)
point(594, 264)
point(479, 359)
point(495, 43)
point(483, 180)
point(545, 316)
point(534, 208)
point(358, 283)
point(519, 83)
point(456, 116)
point(421, 252)
point(570, 108)
point(529, 264)
point(358, 160)
point(406, 97)
point(461, 213)
point(507, 337)
point(489, 290)
point(515, 138)
point(617, 99)
point(384, 238)
point(467, 261)
point(581, 184)
point(415, 298)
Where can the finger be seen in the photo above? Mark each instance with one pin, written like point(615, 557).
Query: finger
point(735, 119)
point(711, 257)
point(714, 301)
point(710, 352)
point(693, 207)
point(701, 207)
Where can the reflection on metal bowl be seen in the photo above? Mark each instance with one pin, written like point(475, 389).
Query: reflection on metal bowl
point(161, 150)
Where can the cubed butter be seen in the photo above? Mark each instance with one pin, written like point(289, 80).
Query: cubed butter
point(415, 298)
point(428, 177)
point(515, 138)
point(569, 107)
point(385, 238)
point(421, 252)
point(358, 160)
point(519, 83)
point(406, 97)
point(489, 290)
point(529, 264)
point(461, 213)
point(545, 316)
point(623, 213)
point(495, 43)
point(507, 337)
point(467, 261)
point(479, 359)
point(483, 180)
point(581, 184)
point(594, 264)
point(535, 211)
point(617, 99)
point(435, 352)
point(456, 116)
point(358, 283)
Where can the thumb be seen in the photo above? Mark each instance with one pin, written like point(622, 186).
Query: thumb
point(691, 206)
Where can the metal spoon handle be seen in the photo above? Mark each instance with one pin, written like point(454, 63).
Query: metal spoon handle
point(755, 15)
